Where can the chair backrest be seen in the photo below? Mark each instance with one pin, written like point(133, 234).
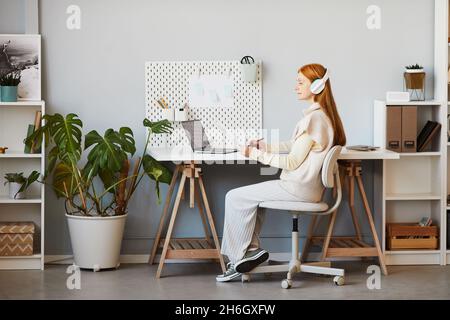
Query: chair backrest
point(329, 166)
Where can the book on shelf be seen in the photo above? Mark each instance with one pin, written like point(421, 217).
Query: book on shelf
point(37, 125)
point(31, 147)
point(30, 131)
point(429, 131)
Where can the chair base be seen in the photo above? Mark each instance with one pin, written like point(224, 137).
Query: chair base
point(295, 266)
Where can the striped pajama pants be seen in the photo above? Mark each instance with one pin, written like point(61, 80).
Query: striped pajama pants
point(243, 218)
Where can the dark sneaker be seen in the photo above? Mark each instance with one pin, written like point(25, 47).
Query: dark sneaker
point(229, 275)
point(251, 260)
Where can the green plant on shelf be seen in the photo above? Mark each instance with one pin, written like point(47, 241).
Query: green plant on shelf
point(11, 79)
point(414, 67)
point(19, 178)
point(108, 164)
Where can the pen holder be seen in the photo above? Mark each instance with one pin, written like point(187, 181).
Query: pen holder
point(168, 114)
point(249, 72)
point(180, 114)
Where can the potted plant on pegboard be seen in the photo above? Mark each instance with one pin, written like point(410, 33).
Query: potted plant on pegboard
point(8, 86)
point(414, 81)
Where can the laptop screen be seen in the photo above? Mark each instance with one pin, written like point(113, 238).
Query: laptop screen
point(196, 134)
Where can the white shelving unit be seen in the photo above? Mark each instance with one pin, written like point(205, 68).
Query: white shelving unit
point(412, 185)
point(442, 52)
point(14, 120)
point(417, 184)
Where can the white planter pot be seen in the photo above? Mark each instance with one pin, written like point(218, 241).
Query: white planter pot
point(414, 70)
point(96, 241)
point(14, 187)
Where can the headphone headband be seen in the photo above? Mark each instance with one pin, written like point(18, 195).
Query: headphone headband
point(325, 76)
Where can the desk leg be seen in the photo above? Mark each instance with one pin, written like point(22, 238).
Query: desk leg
point(173, 182)
point(203, 216)
point(171, 224)
point(372, 224)
point(211, 222)
point(192, 185)
point(351, 203)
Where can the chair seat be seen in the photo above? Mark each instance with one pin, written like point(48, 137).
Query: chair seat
point(303, 207)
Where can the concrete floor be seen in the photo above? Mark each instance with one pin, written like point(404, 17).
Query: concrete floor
point(196, 281)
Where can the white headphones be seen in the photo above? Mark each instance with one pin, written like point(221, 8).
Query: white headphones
point(319, 84)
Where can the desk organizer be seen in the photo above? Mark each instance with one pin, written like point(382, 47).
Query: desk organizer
point(401, 236)
point(168, 114)
point(181, 115)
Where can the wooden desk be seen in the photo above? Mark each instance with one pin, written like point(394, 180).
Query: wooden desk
point(188, 165)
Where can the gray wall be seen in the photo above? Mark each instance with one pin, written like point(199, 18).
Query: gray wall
point(12, 16)
point(98, 73)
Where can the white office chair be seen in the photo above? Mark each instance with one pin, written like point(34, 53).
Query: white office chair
point(330, 178)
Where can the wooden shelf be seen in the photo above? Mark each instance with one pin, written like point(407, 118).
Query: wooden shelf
point(412, 196)
point(7, 200)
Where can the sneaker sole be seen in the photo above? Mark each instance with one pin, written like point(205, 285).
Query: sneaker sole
point(229, 278)
point(249, 264)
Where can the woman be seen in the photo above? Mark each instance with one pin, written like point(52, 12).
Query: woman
point(319, 130)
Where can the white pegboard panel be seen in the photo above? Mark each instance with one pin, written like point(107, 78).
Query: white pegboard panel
point(223, 126)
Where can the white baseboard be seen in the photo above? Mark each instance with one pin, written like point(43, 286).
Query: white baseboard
point(143, 258)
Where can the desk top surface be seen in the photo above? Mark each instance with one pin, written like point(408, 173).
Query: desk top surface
point(185, 153)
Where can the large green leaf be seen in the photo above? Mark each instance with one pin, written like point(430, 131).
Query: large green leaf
point(110, 151)
point(156, 171)
point(65, 132)
point(162, 126)
point(29, 181)
point(64, 174)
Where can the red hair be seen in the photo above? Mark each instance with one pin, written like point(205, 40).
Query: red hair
point(326, 101)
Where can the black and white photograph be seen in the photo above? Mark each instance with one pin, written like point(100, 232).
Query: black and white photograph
point(22, 54)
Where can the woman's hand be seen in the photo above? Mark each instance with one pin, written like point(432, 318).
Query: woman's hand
point(258, 144)
point(245, 150)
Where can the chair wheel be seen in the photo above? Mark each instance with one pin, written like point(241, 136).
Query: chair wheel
point(245, 278)
point(339, 280)
point(286, 284)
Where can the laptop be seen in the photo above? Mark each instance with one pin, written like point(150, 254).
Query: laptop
point(198, 139)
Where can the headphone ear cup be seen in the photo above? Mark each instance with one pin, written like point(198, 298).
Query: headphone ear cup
point(317, 86)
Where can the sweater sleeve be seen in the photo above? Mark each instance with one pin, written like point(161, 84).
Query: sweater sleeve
point(298, 152)
point(284, 146)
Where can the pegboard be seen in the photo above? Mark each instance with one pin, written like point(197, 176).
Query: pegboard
point(223, 126)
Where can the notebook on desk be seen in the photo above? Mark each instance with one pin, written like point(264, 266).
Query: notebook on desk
point(362, 148)
point(198, 139)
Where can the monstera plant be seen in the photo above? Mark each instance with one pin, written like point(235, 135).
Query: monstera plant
point(98, 192)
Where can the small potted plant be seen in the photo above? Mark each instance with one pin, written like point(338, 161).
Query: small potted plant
point(414, 80)
point(18, 184)
point(8, 86)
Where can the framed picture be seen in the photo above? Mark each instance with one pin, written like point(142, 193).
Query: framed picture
point(22, 53)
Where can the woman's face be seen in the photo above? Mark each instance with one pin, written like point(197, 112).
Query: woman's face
point(303, 87)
